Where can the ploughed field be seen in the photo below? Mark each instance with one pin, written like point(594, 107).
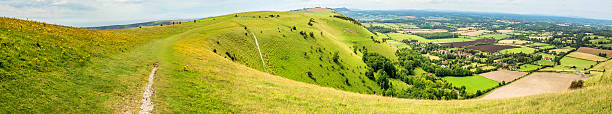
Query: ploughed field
point(491, 48)
point(595, 51)
point(536, 83)
point(466, 43)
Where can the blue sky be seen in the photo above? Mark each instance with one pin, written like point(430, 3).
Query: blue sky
point(82, 13)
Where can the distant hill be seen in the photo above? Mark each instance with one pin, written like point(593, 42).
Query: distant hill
point(368, 14)
point(135, 25)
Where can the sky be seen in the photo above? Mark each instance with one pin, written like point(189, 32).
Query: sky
point(87, 13)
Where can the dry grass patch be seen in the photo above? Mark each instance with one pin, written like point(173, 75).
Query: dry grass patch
point(536, 83)
point(586, 56)
point(595, 51)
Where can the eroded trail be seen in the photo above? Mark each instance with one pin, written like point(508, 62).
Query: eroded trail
point(147, 105)
point(259, 50)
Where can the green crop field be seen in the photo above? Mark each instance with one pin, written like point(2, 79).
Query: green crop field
point(575, 62)
point(544, 63)
point(526, 50)
point(472, 83)
point(528, 68)
point(495, 36)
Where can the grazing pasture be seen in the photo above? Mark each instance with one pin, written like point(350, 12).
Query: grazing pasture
point(503, 75)
point(575, 62)
point(528, 68)
point(490, 48)
point(595, 51)
point(544, 63)
point(495, 36)
point(586, 56)
point(472, 83)
point(536, 83)
point(526, 50)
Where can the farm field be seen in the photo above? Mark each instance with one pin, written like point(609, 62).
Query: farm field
point(536, 83)
point(595, 51)
point(446, 40)
point(528, 68)
point(544, 63)
point(560, 50)
point(586, 56)
point(503, 75)
point(490, 48)
point(558, 68)
point(575, 62)
point(400, 37)
point(546, 47)
point(518, 42)
point(472, 83)
point(526, 50)
point(495, 36)
point(461, 44)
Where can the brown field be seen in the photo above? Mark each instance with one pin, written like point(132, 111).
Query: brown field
point(586, 56)
point(503, 75)
point(595, 51)
point(513, 41)
point(319, 10)
point(490, 48)
point(461, 44)
point(536, 83)
point(472, 32)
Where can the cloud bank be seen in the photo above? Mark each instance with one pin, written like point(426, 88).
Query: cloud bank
point(84, 13)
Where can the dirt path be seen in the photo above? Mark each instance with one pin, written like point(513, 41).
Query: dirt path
point(147, 105)
point(259, 50)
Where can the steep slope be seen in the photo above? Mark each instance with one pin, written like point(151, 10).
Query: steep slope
point(315, 49)
point(192, 77)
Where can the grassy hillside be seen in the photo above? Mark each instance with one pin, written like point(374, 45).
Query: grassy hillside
point(294, 49)
point(193, 77)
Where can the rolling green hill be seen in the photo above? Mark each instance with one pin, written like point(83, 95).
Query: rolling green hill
point(74, 70)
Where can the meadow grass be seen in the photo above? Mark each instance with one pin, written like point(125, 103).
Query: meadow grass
point(528, 68)
point(472, 83)
point(495, 36)
point(526, 50)
point(575, 62)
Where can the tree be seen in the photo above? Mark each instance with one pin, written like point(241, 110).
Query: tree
point(382, 79)
point(336, 58)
